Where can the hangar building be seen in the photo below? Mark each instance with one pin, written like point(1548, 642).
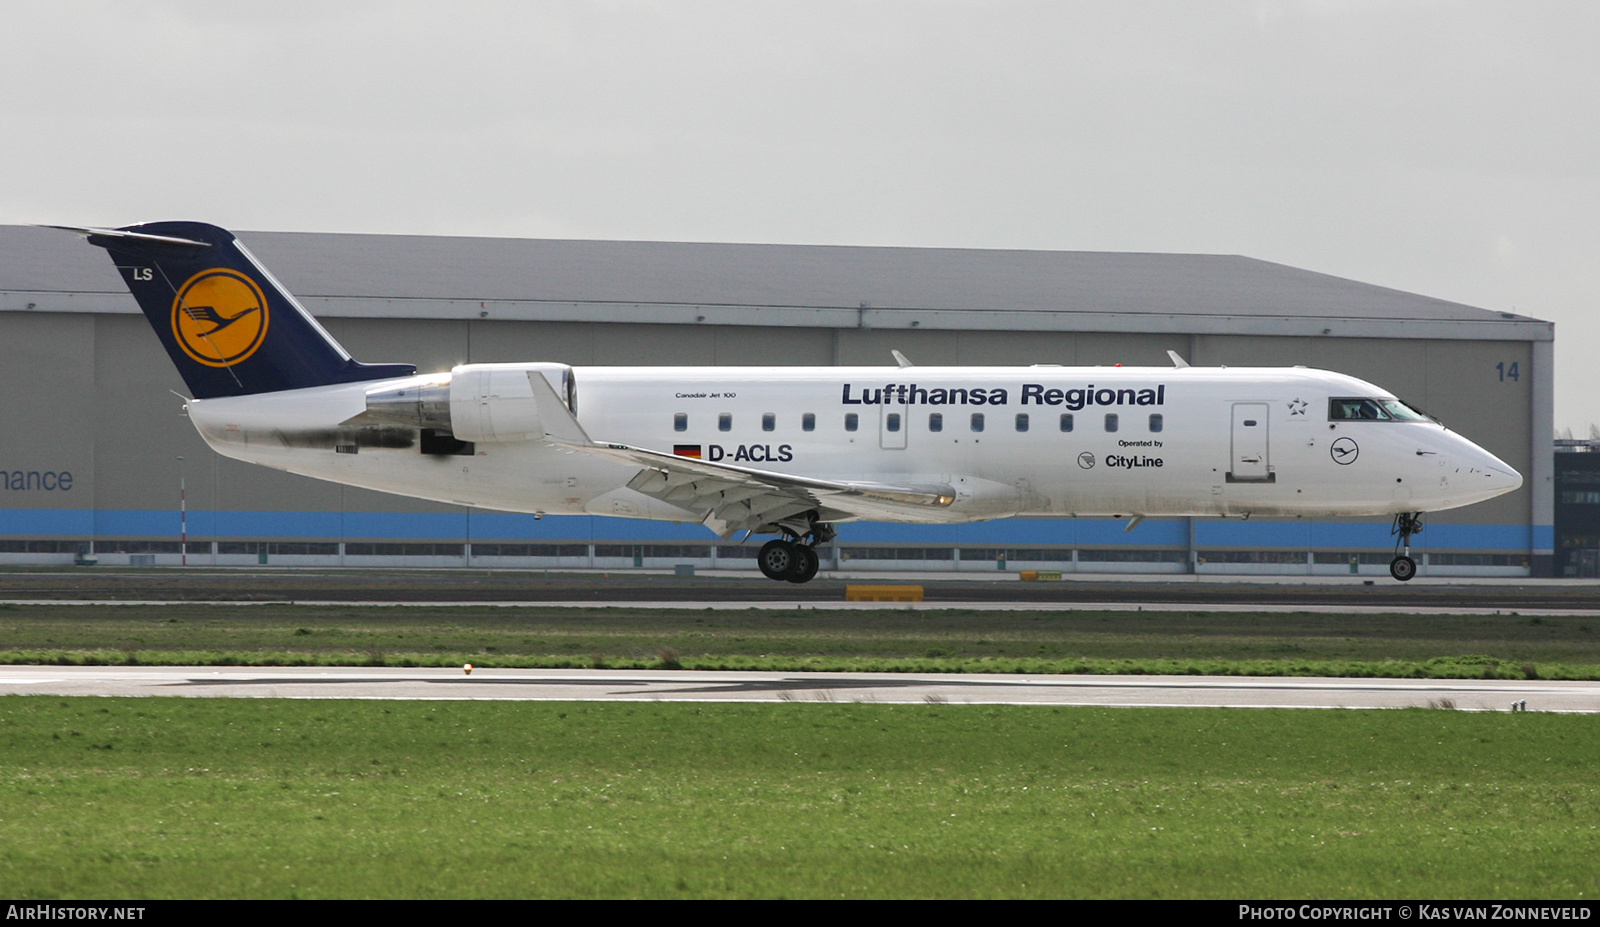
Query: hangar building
point(99, 462)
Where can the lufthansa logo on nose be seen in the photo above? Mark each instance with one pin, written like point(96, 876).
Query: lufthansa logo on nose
point(219, 317)
point(1086, 460)
point(1344, 451)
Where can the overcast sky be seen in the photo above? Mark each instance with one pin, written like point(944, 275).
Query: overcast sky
point(1446, 148)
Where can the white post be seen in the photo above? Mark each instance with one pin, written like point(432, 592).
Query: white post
point(183, 511)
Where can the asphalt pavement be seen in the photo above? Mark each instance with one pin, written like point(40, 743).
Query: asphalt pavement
point(656, 588)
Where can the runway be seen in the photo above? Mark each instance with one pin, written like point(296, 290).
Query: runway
point(699, 605)
point(470, 589)
point(883, 688)
point(739, 590)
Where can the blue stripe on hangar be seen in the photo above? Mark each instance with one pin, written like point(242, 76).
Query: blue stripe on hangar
point(500, 526)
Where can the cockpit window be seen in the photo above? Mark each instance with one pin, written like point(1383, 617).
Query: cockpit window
point(1373, 410)
point(1405, 413)
point(1356, 410)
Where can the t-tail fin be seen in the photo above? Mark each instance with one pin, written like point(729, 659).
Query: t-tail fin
point(229, 325)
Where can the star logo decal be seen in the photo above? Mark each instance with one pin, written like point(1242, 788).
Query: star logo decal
point(1297, 406)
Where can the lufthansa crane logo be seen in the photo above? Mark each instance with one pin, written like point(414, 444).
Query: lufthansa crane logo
point(219, 317)
point(1344, 451)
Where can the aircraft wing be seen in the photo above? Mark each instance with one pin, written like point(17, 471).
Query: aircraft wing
point(735, 498)
point(731, 498)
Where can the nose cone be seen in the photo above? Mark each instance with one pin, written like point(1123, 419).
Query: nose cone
point(1502, 479)
point(1485, 476)
point(1460, 473)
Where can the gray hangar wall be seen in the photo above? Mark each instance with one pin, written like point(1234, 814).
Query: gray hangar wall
point(97, 447)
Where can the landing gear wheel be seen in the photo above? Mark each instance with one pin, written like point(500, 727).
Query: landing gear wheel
point(1402, 567)
point(806, 564)
point(778, 559)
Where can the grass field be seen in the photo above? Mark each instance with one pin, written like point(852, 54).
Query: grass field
point(1300, 644)
point(201, 798)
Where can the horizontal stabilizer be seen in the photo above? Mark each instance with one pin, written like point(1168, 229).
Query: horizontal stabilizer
point(126, 239)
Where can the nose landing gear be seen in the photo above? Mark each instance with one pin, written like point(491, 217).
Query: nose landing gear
point(1402, 567)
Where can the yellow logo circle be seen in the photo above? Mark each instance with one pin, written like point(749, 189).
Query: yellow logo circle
point(219, 317)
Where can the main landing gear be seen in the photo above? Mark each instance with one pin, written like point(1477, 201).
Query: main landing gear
point(793, 558)
point(785, 560)
point(1402, 567)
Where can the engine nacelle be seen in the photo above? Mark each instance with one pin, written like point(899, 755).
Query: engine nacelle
point(481, 403)
point(493, 404)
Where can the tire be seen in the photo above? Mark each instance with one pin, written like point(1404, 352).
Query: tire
point(777, 560)
point(806, 565)
point(1403, 568)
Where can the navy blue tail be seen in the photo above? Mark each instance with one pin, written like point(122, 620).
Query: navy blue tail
point(231, 328)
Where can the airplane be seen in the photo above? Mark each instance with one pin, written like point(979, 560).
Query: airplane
point(791, 452)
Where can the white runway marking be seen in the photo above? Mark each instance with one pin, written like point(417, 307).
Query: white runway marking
point(885, 688)
point(984, 606)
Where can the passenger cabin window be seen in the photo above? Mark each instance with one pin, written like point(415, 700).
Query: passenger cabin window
point(1111, 421)
point(977, 421)
point(852, 421)
point(808, 422)
point(1155, 423)
point(769, 421)
point(1066, 421)
point(725, 421)
point(1022, 421)
point(936, 421)
point(680, 422)
point(892, 421)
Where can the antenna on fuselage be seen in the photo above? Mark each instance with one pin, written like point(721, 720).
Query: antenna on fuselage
point(901, 359)
point(1177, 361)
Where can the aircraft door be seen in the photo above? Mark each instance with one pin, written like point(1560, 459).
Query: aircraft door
point(1250, 444)
point(894, 424)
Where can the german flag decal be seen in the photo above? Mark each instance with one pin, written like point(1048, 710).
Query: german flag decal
point(687, 450)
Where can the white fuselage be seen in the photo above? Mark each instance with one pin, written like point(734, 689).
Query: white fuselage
point(1186, 441)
